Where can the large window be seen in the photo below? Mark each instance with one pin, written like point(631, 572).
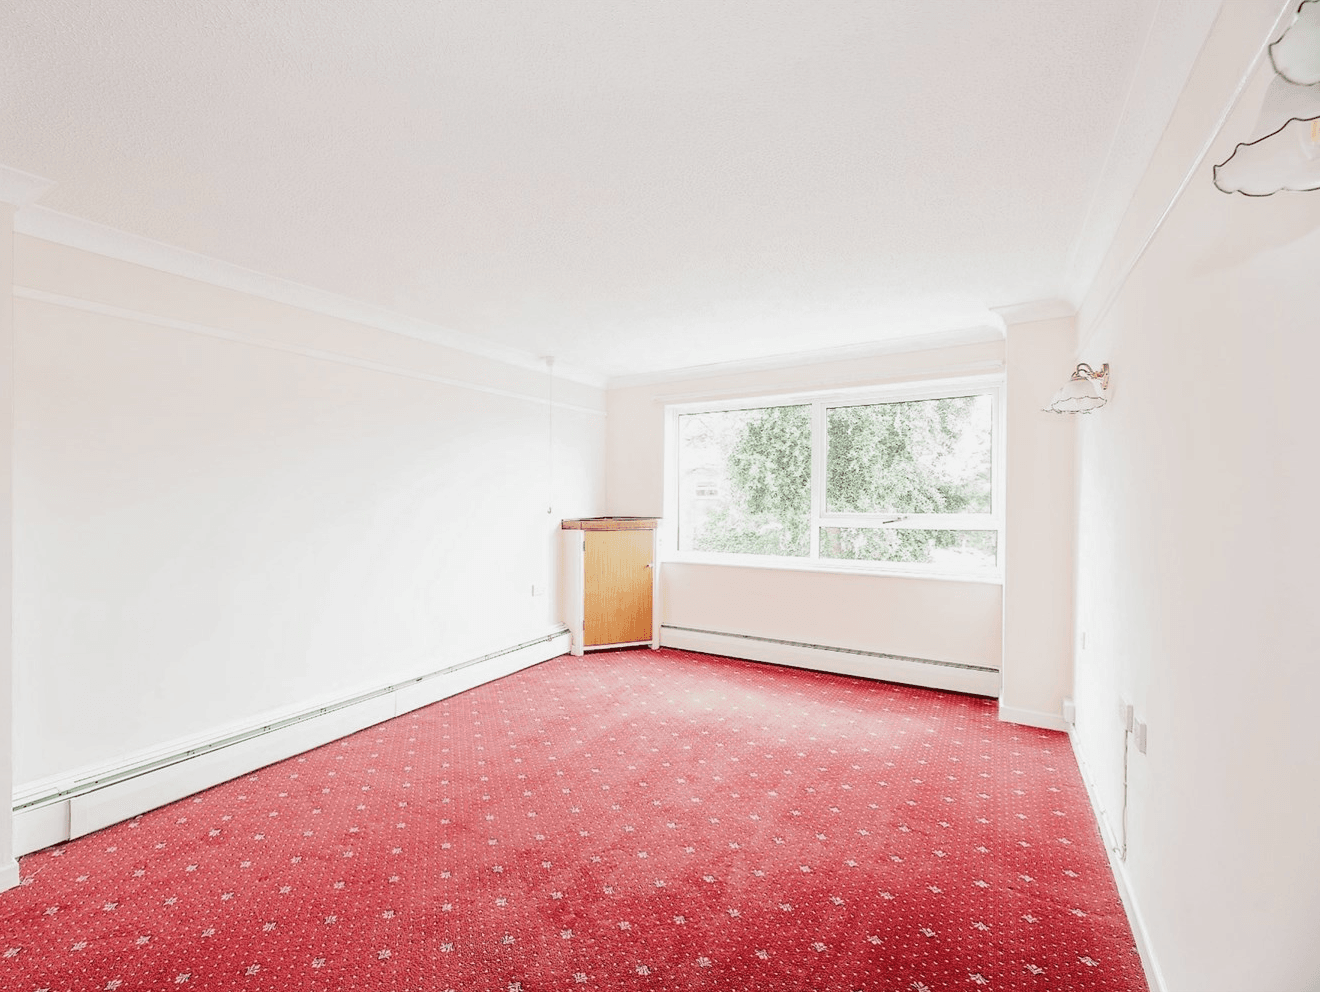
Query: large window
point(878, 480)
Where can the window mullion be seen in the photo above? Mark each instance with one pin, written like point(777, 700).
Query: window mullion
point(913, 521)
point(817, 474)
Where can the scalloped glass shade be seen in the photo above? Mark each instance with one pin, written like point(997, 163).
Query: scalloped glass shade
point(1078, 396)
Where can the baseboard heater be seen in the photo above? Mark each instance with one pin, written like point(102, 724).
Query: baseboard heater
point(297, 731)
point(134, 771)
point(956, 676)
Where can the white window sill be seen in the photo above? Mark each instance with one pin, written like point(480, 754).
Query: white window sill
point(986, 576)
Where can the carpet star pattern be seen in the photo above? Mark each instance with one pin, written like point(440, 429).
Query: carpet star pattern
point(628, 820)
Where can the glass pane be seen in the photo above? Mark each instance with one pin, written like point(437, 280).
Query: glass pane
point(946, 548)
point(744, 481)
point(922, 456)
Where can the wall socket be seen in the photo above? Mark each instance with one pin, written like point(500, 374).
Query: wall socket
point(1139, 735)
point(538, 589)
point(1125, 714)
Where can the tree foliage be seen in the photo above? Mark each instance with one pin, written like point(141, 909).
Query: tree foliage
point(769, 470)
point(904, 458)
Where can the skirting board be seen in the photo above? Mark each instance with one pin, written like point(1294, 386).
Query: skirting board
point(864, 664)
point(1154, 977)
point(1032, 718)
point(41, 825)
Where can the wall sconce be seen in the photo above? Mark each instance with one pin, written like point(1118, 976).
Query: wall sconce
point(1082, 393)
point(1287, 157)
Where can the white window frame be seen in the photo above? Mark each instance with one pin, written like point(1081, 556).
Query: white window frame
point(820, 401)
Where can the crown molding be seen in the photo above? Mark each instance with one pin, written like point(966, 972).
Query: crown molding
point(86, 235)
point(19, 188)
point(1243, 29)
point(821, 356)
point(1033, 310)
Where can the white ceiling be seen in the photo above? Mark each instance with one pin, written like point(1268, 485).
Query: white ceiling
point(629, 186)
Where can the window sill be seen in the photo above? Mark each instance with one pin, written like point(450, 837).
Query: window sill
point(988, 576)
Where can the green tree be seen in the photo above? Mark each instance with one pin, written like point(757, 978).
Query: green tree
point(769, 470)
point(924, 456)
point(908, 457)
point(905, 458)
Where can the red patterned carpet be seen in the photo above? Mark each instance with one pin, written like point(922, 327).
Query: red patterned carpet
point(631, 820)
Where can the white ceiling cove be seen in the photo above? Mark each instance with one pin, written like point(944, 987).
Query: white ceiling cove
point(628, 186)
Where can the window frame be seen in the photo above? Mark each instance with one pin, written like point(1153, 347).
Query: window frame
point(819, 402)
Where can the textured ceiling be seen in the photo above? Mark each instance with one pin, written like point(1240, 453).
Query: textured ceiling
point(629, 186)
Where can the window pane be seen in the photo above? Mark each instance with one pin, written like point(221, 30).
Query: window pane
point(922, 456)
point(744, 481)
point(951, 548)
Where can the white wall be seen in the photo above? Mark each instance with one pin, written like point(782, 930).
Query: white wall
point(957, 620)
point(1039, 523)
point(227, 506)
point(934, 619)
point(1197, 585)
point(8, 869)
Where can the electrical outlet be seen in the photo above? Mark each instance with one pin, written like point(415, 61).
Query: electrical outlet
point(1083, 640)
point(1069, 711)
point(1125, 712)
point(1139, 735)
point(538, 589)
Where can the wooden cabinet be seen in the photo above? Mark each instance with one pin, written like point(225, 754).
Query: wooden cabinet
point(611, 582)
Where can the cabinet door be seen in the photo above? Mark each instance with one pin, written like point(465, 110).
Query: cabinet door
point(617, 586)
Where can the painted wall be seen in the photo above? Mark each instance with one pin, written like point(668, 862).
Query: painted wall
point(1039, 525)
point(934, 619)
point(8, 869)
point(1197, 585)
point(958, 619)
point(227, 506)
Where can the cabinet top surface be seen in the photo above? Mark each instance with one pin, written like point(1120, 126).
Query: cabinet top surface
point(611, 523)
